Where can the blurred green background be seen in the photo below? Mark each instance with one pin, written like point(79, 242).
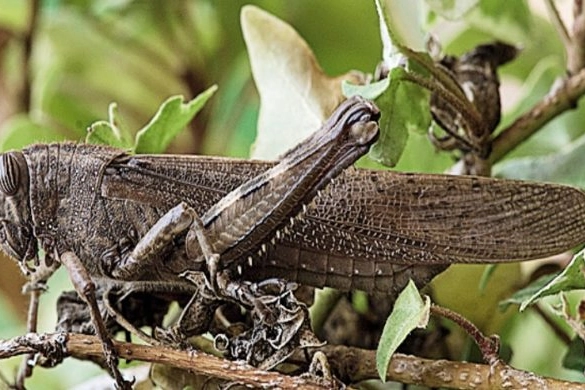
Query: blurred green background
point(63, 62)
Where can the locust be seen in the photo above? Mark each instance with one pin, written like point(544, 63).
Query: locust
point(140, 223)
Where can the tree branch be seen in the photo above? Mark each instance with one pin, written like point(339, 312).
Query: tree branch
point(84, 347)
point(576, 47)
point(359, 364)
point(558, 101)
point(352, 364)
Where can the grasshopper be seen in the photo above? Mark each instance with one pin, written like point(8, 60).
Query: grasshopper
point(132, 222)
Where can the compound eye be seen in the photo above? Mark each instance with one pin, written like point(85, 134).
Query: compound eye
point(9, 174)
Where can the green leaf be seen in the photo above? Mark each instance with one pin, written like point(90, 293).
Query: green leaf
point(420, 155)
point(516, 12)
point(410, 312)
point(557, 167)
point(235, 113)
point(452, 9)
point(405, 107)
point(570, 279)
point(360, 303)
point(507, 20)
point(527, 292)
point(20, 131)
point(172, 116)
point(485, 277)
point(575, 357)
point(537, 83)
point(102, 132)
point(109, 132)
point(325, 300)
point(369, 91)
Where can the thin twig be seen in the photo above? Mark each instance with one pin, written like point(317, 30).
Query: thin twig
point(28, 39)
point(558, 101)
point(558, 22)
point(576, 48)
point(488, 346)
point(26, 367)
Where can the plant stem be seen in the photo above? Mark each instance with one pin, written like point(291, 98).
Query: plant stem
point(558, 101)
point(488, 346)
point(28, 39)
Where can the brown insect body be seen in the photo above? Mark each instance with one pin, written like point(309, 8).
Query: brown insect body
point(366, 226)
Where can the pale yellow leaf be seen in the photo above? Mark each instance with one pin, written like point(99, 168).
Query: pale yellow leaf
point(296, 96)
point(458, 289)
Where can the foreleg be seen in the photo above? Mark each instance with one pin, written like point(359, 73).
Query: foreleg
point(85, 287)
